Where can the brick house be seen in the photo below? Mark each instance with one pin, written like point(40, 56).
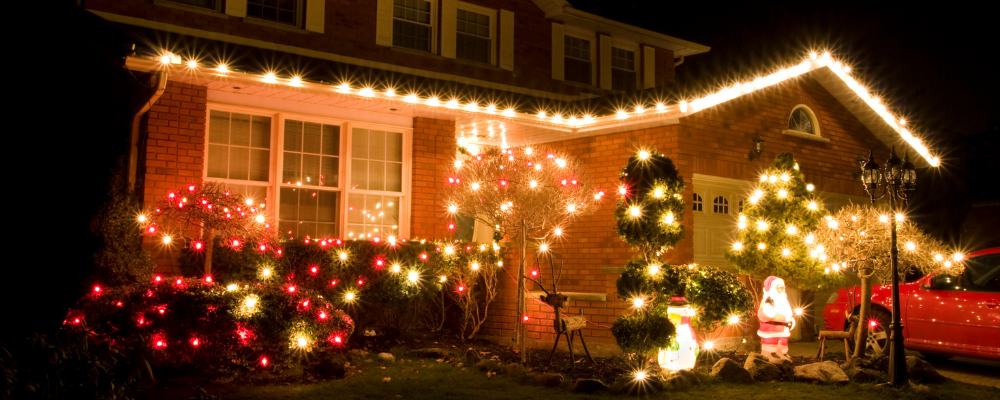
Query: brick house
point(324, 109)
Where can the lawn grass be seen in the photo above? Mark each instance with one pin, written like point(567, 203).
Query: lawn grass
point(427, 379)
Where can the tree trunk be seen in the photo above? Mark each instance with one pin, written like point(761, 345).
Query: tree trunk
point(520, 334)
point(209, 246)
point(861, 338)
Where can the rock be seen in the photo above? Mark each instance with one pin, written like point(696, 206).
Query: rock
point(822, 372)
point(865, 375)
point(681, 380)
point(549, 379)
point(760, 369)
point(727, 370)
point(921, 371)
point(472, 356)
point(386, 358)
point(589, 385)
point(429, 352)
point(489, 365)
point(357, 354)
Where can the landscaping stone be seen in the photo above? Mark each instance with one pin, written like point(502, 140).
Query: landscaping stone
point(357, 354)
point(589, 385)
point(921, 371)
point(727, 370)
point(472, 356)
point(822, 372)
point(489, 365)
point(429, 352)
point(681, 380)
point(761, 369)
point(549, 379)
point(386, 358)
point(866, 375)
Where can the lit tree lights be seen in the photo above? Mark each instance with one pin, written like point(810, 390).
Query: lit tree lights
point(857, 238)
point(202, 213)
point(649, 210)
point(526, 194)
point(775, 231)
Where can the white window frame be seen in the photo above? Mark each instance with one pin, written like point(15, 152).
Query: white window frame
point(697, 200)
point(723, 205)
point(490, 12)
point(274, 183)
point(590, 37)
point(435, 26)
point(801, 134)
point(636, 58)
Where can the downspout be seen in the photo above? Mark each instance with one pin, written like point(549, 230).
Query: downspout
point(678, 63)
point(133, 153)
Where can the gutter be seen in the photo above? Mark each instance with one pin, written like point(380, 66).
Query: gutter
point(133, 153)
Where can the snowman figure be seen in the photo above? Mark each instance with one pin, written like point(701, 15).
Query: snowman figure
point(776, 321)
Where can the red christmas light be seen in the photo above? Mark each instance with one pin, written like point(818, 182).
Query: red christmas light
point(291, 289)
point(262, 248)
point(236, 243)
point(525, 318)
point(361, 281)
point(264, 361)
point(376, 239)
point(379, 263)
point(198, 245)
point(873, 323)
point(151, 229)
point(161, 309)
point(179, 282)
point(336, 339)
point(244, 335)
point(451, 226)
point(208, 279)
point(191, 188)
point(97, 290)
point(195, 342)
point(171, 195)
point(157, 279)
point(119, 304)
point(305, 303)
point(424, 256)
point(323, 316)
point(460, 289)
point(279, 252)
point(534, 273)
point(333, 282)
point(158, 341)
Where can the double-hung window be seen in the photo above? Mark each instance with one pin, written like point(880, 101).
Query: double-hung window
point(411, 24)
point(287, 12)
point(330, 179)
point(577, 60)
point(622, 69)
point(474, 36)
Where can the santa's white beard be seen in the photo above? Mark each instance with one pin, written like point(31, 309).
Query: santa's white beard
point(781, 306)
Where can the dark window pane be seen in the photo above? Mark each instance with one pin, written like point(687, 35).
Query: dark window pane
point(280, 11)
point(577, 71)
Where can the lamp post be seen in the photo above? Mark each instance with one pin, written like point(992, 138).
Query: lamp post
point(897, 180)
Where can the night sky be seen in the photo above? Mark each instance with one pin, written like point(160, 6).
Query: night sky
point(932, 64)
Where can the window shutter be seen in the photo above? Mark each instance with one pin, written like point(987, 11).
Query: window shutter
point(648, 67)
point(604, 60)
point(315, 15)
point(236, 8)
point(507, 40)
point(558, 52)
point(383, 23)
point(449, 19)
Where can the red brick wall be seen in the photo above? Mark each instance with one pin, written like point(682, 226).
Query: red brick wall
point(175, 149)
point(350, 31)
point(712, 142)
point(433, 155)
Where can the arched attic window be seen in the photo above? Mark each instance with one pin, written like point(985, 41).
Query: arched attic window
point(803, 120)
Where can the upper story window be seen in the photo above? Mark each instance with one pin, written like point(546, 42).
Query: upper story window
point(803, 120)
point(314, 197)
point(214, 5)
point(288, 12)
point(474, 35)
point(696, 203)
point(720, 205)
point(623, 71)
point(411, 24)
point(577, 60)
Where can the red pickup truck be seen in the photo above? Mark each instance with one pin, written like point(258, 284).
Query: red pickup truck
point(943, 314)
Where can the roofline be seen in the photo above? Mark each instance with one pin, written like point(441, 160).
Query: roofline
point(832, 74)
point(561, 9)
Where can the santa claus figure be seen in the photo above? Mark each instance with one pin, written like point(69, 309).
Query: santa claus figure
point(776, 320)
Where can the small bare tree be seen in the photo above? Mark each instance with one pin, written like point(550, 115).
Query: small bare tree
point(857, 239)
point(527, 195)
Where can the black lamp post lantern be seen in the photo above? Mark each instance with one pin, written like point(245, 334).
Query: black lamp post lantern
point(897, 180)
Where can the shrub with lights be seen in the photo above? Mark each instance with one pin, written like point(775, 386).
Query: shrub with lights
point(213, 328)
point(666, 299)
point(776, 230)
point(857, 240)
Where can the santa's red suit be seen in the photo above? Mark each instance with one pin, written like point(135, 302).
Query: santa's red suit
point(776, 320)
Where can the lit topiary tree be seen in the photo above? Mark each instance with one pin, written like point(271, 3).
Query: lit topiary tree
point(648, 214)
point(776, 229)
point(857, 240)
